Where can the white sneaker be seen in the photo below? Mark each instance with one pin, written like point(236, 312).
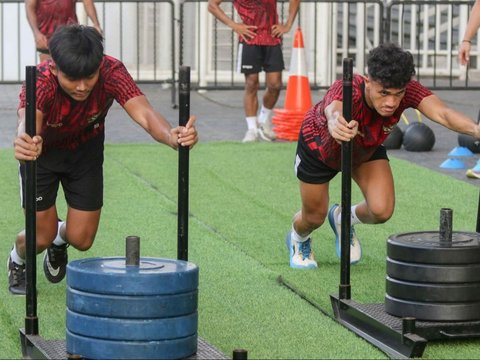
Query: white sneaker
point(355, 247)
point(265, 131)
point(300, 253)
point(250, 136)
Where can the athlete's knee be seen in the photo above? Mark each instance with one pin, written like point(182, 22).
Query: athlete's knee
point(314, 219)
point(381, 213)
point(274, 88)
point(251, 85)
point(81, 241)
point(45, 236)
point(82, 245)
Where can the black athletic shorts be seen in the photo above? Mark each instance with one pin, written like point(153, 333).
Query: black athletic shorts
point(309, 169)
point(253, 59)
point(80, 172)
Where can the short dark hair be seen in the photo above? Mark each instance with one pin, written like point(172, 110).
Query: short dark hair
point(77, 50)
point(390, 65)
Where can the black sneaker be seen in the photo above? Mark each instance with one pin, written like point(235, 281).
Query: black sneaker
point(55, 262)
point(16, 278)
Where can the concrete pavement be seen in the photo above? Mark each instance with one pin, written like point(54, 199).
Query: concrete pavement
point(220, 117)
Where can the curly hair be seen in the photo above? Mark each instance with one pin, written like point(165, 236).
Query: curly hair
point(390, 65)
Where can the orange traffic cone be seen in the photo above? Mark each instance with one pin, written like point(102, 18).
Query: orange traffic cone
point(298, 98)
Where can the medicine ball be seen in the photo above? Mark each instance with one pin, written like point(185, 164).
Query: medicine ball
point(394, 139)
point(418, 137)
point(470, 142)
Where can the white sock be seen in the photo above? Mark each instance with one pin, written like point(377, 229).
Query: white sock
point(59, 240)
point(298, 238)
point(15, 257)
point(354, 220)
point(264, 115)
point(251, 122)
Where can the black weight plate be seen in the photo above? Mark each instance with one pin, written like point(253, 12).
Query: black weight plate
point(428, 292)
point(432, 311)
point(91, 348)
point(130, 306)
point(433, 273)
point(426, 248)
point(132, 329)
point(153, 276)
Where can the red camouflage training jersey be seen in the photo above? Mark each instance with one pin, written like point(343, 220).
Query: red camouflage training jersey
point(68, 123)
point(374, 127)
point(54, 13)
point(261, 13)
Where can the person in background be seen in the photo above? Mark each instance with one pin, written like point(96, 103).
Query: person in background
point(74, 91)
point(45, 16)
point(260, 35)
point(470, 32)
point(464, 56)
point(378, 101)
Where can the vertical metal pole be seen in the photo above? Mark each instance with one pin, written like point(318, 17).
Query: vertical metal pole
point(31, 320)
point(478, 214)
point(172, 29)
point(132, 251)
point(183, 165)
point(446, 225)
point(344, 288)
point(240, 354)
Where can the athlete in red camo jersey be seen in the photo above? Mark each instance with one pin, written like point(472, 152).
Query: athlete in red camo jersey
point(378, 101)
point(75, 90)
point(260, 36)
point(45, 16)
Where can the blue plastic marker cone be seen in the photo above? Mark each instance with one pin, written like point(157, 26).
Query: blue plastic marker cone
point(476, 168)
point(453, 164)
point(460, 151)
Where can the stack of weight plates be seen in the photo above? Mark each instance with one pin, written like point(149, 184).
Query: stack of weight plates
point(116, 311)
point(433, 280)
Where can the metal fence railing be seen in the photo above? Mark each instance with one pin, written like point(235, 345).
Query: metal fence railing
point(154, 37)
point(141, 33)
point(432, 31)
point(331, 30)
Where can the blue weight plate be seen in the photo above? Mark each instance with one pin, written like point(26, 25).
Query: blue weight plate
point(132, 306)
point(91, 348)
point(154, 276)
point(132, 329)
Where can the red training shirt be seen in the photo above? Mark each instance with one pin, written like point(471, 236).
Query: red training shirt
point(261, 13)
point(54, 13)
point(68, 123)
point(374, 127)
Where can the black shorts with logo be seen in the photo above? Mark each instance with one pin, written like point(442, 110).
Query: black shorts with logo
point(309, 169)
point(253, 59)
point(80, 172)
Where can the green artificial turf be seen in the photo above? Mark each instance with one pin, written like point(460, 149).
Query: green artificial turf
point(242, 199)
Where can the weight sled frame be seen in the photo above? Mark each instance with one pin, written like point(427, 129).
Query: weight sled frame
point(33, 346)
point(397, 337)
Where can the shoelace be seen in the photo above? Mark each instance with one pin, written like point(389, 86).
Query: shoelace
point(18, 274)
point(352, 231)
point(57, 254)
point(305, 249)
